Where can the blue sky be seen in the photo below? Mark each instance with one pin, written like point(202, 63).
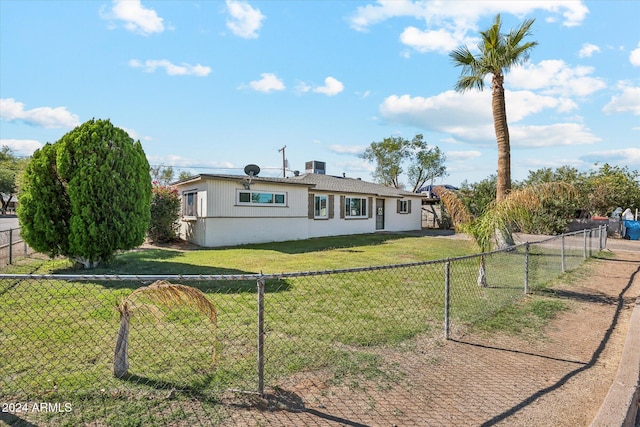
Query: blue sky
point(210, 86)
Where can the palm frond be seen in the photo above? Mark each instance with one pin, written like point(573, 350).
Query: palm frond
point(168, 294)
point(457, 210)
point(526, 200)
point(159, 294)
point(518, 207)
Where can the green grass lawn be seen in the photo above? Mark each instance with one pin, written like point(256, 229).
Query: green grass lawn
point(58, 337)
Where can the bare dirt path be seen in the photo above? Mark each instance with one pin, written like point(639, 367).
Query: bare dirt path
point(559, 379)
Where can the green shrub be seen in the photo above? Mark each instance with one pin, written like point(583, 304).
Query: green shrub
point(87, 195)
point(165, 211)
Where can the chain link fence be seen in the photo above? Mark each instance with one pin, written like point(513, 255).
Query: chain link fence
point(12, 247)
point(296, 337)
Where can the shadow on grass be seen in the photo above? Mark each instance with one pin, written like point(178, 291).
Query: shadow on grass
point(207, 286)
point(14, 420)
point(157, 262)
point(319, 244)
point(172, 389)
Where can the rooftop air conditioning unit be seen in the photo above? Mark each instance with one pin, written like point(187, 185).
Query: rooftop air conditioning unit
point(316, 167)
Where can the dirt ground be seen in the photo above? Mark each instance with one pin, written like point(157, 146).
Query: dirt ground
point(559, 379)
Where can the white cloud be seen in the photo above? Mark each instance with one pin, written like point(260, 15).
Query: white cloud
point(452, 20)
point(624, 156)
point(634, 56)
point(533, 163)
point(441, 40)
point(468, 117)
point(302, 87)
point(244, 21)
point(555, 77)
point(553, 135)
point(331, 87)
point(461, 114)
point(183, 69)
point(628, 101)
point(368, 15)
point(462, 156)
point(21, 147)
point(136, 17)
point(268, 83)
point(588, 50)
point(347, 149)
point(135, 135)
point(356, 167)
point(58, 117)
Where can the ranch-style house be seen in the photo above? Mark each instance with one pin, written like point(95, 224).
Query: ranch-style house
point(226, 210)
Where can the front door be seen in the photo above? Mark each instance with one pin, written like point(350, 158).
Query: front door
point(379, 214)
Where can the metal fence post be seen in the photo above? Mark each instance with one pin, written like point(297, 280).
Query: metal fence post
point(11, 246)
point(584, 252)
point(261, 335)
point(599, 238)
point(526, 268)
point(562, 253)
point(447, 295)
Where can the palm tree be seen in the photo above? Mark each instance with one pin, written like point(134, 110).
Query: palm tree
point(517, 208)
point(498, 53)
point(161, 293)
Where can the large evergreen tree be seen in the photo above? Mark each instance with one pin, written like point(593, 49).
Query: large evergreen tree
point(88, 195)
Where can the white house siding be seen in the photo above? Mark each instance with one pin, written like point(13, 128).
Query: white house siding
point(223, 203)
point(320, 227)
point(337, 226)
point(395, 221)
point(222, 221)
point(194, 231)
point(237, 231)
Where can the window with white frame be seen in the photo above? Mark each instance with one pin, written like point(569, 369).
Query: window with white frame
point(404, 206)
point(320, 206)
point(261, 198)
point(190, 203)
point(355, 207)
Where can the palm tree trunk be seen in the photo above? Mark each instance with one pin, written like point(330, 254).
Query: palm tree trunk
point(502, 137)
point(120, 358)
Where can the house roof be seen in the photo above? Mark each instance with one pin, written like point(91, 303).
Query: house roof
point(349, 185)
point(319, 182)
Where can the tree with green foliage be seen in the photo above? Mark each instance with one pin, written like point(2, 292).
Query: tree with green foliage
point(86, 196)
point(500, 217)
point(610, 187)
point(184, 175)
point(599, 191)
point(391, 154)
point(497, 54)
point(428, 164)
point(555, 213)
point(11, 169)
point(161, 174)
point(478, 195)
point(165, 212)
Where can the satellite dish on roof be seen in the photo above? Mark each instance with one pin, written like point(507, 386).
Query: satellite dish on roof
point(252, 170)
